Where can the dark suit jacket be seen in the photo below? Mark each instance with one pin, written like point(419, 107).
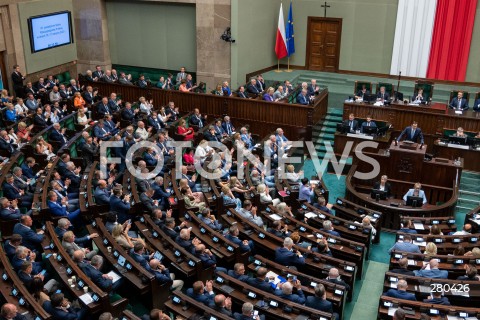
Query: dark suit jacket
point(443, 301)
point(17, 80)
point(360, 93)
point(142, 260)
point(340, 282)
point(97, 277)
point(388, 187)
point(408, 134)
point(288, 258)
point(463, 103)
point(252, 89)
point(299, 297)
point(128, 115)
point(59, 314)
point(405, 272)
point(173, 234)
point(186, 244)
point(5, 145)
point(476, 105)
point(196, 120)
point(260, 284)
point(241, 95)
point(319, 304)
point(39, 121)
point(386, 96)
point(88, 97)
point(89, 151)
point(206, 298)
point(399, 294)
point(103, 109)
point(10, 214)
point(353, 126)
point(210, 137)
point(102, 196)
point(241, 277)
point(148, 202)
point(301, 99)
point(225, 127)
point(9, 192)
point(57, 136)
point(120, 207)
point(30, 239)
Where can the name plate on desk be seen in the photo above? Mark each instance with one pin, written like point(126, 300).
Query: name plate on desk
point(441, 160)
point(359, 135)
point(458, 146)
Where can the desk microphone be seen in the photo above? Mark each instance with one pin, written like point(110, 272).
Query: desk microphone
point(421, 146)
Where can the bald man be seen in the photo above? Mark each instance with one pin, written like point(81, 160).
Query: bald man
point(9, 312)
point(433, 272)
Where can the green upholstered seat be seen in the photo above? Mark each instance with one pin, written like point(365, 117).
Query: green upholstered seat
point(359, 85)
point(427, 87)
point(388, 87)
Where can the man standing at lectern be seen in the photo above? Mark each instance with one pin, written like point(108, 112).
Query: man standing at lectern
point(412, 133)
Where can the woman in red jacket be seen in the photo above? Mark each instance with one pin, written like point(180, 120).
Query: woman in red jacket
point(187, 133)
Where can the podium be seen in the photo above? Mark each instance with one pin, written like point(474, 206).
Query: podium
point(406, 161)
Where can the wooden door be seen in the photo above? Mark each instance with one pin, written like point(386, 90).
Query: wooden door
point(323, 44)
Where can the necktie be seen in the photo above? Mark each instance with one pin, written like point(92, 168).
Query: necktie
point(368, 124)
point(200, 124)
point(459, 104)
point(412, 133)
point(351, 125)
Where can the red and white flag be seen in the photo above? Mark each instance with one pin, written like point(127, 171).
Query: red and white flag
point(281, 41)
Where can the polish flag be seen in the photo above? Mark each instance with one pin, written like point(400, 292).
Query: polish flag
point(281, 41)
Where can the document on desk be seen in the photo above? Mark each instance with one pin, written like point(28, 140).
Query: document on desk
point(86, 298)
point(418, 226)
point(310, 215)
point(359, 135)
point(391, 311)
point(115, 276)
point(275, 217)
point(272, 275)
point(393, 285)
point(457, 146)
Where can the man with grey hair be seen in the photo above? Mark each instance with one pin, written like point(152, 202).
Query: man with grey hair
point(163, 275)
point(400, 292)
point(23, 254)
point(102, 280)
point(58, 133)
point(334, 277)
point(302, 97)
point(248, 313)
point(327, 227)
point(279, 94)
point(73, 173)
point(249, 212)
point(286, 292)
point(9, 209)
point(105, 316)
point(210, 135)
point(21, 181)
point(287, 257)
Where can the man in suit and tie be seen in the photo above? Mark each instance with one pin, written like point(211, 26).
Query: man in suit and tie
point(119, 205)
point(319, 301)
point(146, 199)
point(227, 126)
point(382, 95)
point(58, 134)
point(6, 143)
point(60, 308)
point(70, 246)
point(279, 94)
point(170, 229)
point(368, 123)
point(334, 277)
point(90, 149)
point(182, 75)
point(142, 83)
point(17, 79)
point(88, 95)
point(302, 97)
point(164, 276)
point(252, 87)
point(103, 107)
point(202, 292)
point(138, 254)
point(247, 313)
point(312, 88)
point(260, 83)
point(211, 135)
point(12, 192)
point(60, 209)
point(113, 103)
point(197, 119)
point(286, 292)
point(39, 121)
point(124, 79)
point(351, 123)
point(110, 125)
point(459, 102)
point(412, 133)
point(102, 194)
point(98, 74)
point(32, 103)
point(30, 239)
point(154, 122)
point(238, 273)
point(241, 93)
point(430, 270)
point(261, 281)
point(403, 268)
point(219, 131)
point(362, 92)
point(400, 292)
point(128, 114)
point(287, 257)
point(73, 174)
point(9, 209)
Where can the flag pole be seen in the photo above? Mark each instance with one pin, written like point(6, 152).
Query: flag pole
point(288, 66)
point(278, 66)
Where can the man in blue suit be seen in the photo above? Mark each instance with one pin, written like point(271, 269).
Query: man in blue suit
point(60, 308)
point(101, 132)
point(405, 246)
point(368, 123)
point(9, 209)
point(327, 227)
point(60, 209)
point(286, 292)
point(103, 281)
point(400, 292)
point(202, 293)
point(12, 192)
point(245, 245)
point(459, 102)
point(247, 312)
point(319, 301)
point(110, 125)
point(23, 254)
point(30, 239)
point(406, 227)
point(302, 97)
point(412, 133)
point(102, 194)
point(382, 95)
point(286, 257)
point(121, 207)
point(227, 125)
point(261, 282)
point(163, 275)
point(436, 298)
point(138, 254)
point(27, 168)
point(238, 272)
point(433, 272)
point(103, 108)
point(58, 134)
point(476, 105)
point(9, 311)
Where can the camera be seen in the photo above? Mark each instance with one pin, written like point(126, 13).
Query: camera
point(227, 36)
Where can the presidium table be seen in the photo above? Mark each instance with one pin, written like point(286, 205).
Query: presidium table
point(405, 164)
point(432, 119)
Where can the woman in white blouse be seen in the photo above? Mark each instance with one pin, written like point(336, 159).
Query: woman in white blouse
point(146, 106)
point(203, 151)
point(162, 116)
point(82, 118)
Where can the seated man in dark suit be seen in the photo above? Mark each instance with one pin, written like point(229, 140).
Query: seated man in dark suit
point(146, 199)
point(128, 114)
point(362, 92)
point(419, 97)
point(163, 275)
point(197, 119)
point(12, 192)
point(252, 87)
point(327, 227)
point(11, 245)
point(9, 209)
point(368, 123)
point(228, 126)
point(206, 256)
point(400, 292)
point(26, 275)
point(202, 292)
point(9, 311)
point(302, 97)
point(90, 150)
point(261, 282)
point(138, 254)
point(210, 135)
point(238, 272)
point(470, 274)
point(60, 308)
point(459, 102)
point(184, 241)
point(351, 122)
point(30, 239)
point(319, 301)
point(103, 108)
point(241, 93)
point(245, 245)
point(23, 254)
point(6, 143)
point(436, 298)
point(476, 105)
point(223, 305)
point(102, 194)
point(383, 185)
point(58, 134)
point(120, 204)
point(286, 257)
point(382, 95)
point(322, 205)
point(412, 133)
point(279, 230)
point(170, 229)
point(402, 268)
point(247, 313)
point(312, 88)
point(286, 292)
point(334, 277)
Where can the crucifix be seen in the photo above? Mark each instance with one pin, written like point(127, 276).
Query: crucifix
point(325, 6)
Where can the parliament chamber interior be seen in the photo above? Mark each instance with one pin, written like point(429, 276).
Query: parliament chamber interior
point(239, 159)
